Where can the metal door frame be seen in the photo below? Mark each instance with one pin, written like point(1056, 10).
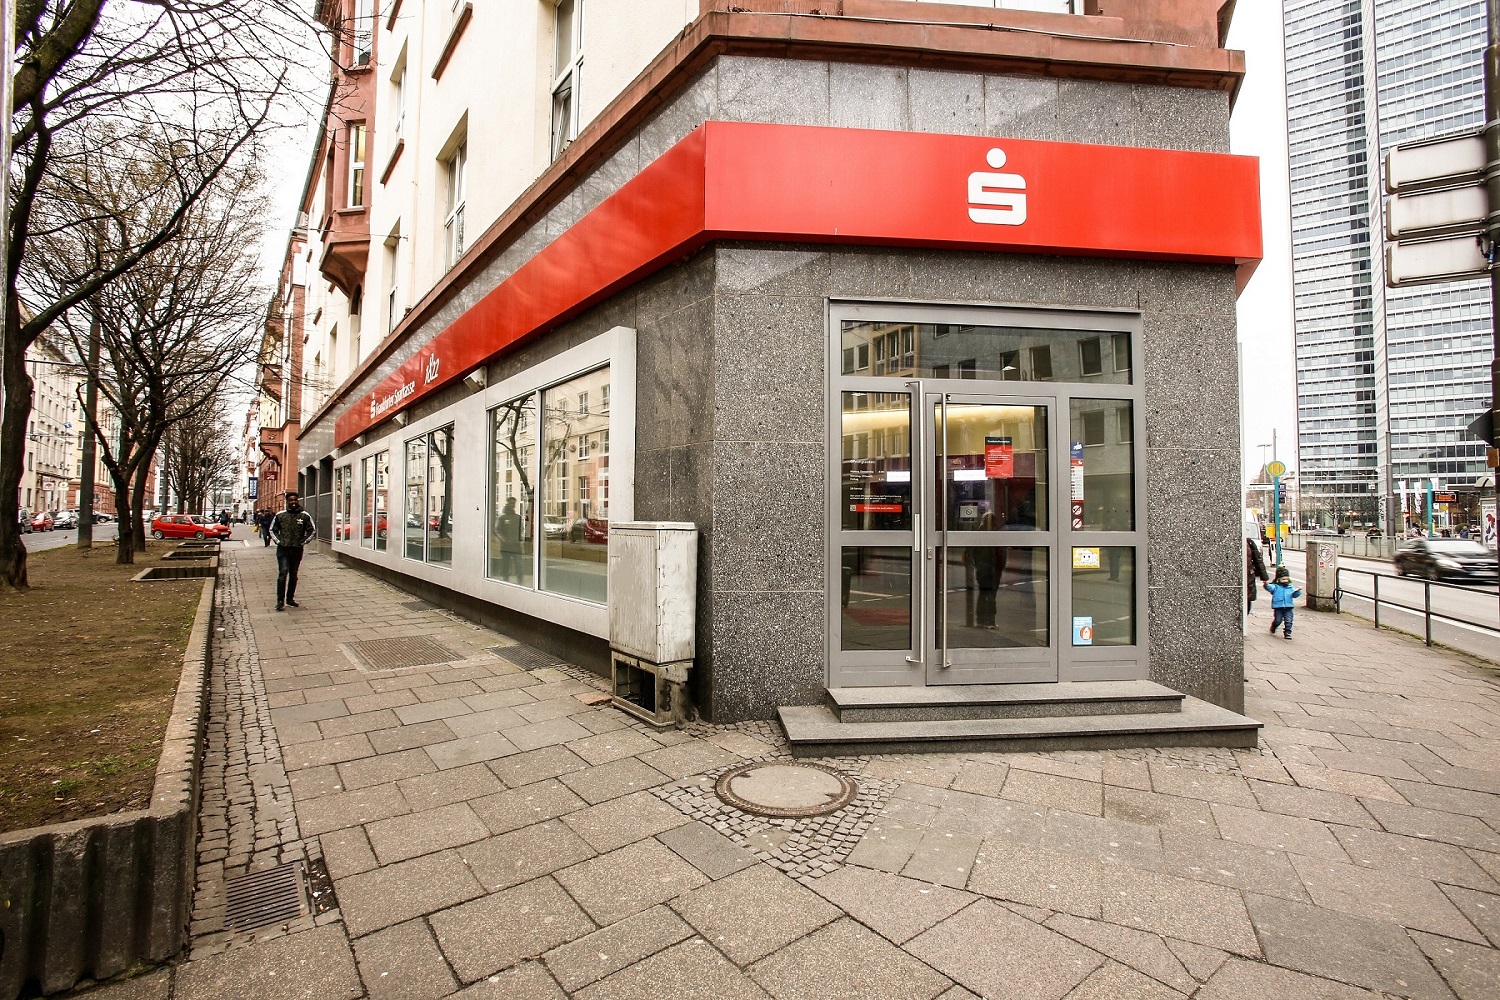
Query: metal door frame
point(1073, 663)
point(967, 665)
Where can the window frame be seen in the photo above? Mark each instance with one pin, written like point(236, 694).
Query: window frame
point(357, 188)
point(568, 78)
point(456, 166)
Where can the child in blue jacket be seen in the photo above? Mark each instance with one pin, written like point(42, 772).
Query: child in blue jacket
point(1283, 594)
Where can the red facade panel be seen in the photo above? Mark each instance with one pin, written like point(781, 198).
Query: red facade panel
point(828, 185)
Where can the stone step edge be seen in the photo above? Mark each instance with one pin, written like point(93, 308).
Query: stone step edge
point(817, 724)
point(1074, 692)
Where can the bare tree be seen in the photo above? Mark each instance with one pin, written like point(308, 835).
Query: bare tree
point(172, 329)
point(177, 91)
point(196, 454)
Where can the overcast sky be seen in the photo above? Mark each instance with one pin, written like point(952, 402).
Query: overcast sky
point(1258, 128)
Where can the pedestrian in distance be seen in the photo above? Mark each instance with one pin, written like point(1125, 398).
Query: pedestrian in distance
point(224, 517)
point(1255, 569)
point(1283, 598)
point(263, 524)
point(293, 528)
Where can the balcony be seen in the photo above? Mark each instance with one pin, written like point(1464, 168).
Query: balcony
point(346, 249)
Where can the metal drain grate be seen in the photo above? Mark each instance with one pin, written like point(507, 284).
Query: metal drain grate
point(404, 651)
point(263, 898)
point(416, 606)
point(525, 657)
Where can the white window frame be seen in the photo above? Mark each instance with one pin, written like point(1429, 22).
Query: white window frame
point(566, 78)
point(362, 32)
point(457, 166)
point(359, 156)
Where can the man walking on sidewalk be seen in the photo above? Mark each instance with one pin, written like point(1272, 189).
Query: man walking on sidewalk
point(292, 528)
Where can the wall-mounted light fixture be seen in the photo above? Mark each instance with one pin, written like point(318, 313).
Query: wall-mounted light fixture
point(359, 440)
point(401, 418)
point(476, 379)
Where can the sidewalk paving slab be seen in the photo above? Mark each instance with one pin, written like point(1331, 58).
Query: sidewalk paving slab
point(492, 833)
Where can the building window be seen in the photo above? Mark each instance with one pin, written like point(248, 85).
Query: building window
point(567, 72)
point(398, 102)
point(363, 34)
point(429, 497)
point(453, 221)
point(583, 404)
point(1090, 358)
point(1041, 363)
point(357, 165)
point(1121, 345)
point(583, 445)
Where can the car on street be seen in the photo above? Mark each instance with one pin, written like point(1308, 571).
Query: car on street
point(594, 530)
point(186, 526)
point(1460, 559)
point(23, 520)
point(554, 526)
point(381, 526)
point(65, 519)
point(42, 521)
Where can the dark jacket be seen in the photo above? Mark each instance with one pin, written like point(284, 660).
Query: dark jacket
point(292, 528)
point(1255, 568)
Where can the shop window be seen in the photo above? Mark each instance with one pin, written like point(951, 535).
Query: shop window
point(414, 532)
point(429, 497)
point(512, 520)
point(340, 508)
point(371, 530)
point(575, 539)
point(1107, 499)
point(989, 352)
point(378, 527)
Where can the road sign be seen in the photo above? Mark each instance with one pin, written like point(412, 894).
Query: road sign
point(1277, 468)
point(1433, 261)
point(1448, 161)
point(1445, 498)
point(1434, 213)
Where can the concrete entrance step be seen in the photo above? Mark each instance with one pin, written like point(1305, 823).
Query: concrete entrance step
point(952, 702)
point(814, 731)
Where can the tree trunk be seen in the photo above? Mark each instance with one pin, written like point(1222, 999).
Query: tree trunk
point(13, 449)
point(125, 546)
point(90, 455)
point(138, 503)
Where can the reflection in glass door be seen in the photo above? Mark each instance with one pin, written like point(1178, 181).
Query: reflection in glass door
point(991, 541)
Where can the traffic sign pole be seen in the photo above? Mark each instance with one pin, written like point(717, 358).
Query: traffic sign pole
point(1276, 469)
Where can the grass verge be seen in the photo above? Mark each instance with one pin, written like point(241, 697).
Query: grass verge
point(91, 663)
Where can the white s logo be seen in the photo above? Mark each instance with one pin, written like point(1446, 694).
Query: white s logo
point(1003, 194)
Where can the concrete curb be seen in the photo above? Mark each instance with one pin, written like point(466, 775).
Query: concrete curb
point(92, 898)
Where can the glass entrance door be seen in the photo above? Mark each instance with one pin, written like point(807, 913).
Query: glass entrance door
point(989, 551)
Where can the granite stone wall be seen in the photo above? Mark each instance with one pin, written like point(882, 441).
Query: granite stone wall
point(766, 561)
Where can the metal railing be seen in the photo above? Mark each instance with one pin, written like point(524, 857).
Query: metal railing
point(1425, 610)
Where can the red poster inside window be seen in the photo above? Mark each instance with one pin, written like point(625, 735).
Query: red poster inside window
point(999, 458)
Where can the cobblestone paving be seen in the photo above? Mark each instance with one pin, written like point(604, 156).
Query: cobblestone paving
point(493, 832)
point(246, 819)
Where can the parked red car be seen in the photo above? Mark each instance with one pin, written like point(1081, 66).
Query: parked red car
point(346, 531)
point(42, 522)
point(186, 526)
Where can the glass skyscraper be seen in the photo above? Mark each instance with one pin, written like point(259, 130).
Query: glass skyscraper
point(1387, 379)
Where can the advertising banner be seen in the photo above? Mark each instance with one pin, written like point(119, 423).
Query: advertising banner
point(1487, 519)
point(1083, 630)
point(254, 492)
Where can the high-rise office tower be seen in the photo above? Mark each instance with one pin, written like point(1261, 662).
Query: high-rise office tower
point(1387, 379)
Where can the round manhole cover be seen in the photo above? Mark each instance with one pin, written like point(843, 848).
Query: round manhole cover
point(786, 790)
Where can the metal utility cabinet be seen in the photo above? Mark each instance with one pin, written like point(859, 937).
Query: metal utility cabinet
point(653, 583)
